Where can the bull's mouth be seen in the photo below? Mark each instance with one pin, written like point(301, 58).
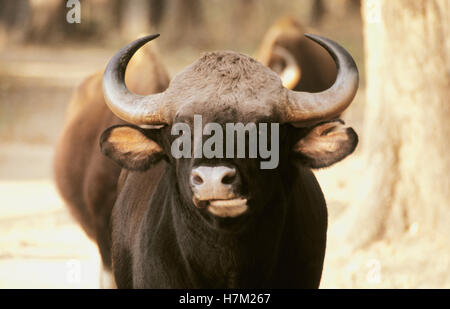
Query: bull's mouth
point(224, 208)
point(228, 208)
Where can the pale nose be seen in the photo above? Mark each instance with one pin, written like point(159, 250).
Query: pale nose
point(216, 182)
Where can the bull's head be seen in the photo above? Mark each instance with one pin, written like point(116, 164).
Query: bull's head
point(229, 87)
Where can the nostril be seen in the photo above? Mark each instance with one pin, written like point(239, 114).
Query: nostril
point(197, 180)
point(229, 178)
point(211, 180)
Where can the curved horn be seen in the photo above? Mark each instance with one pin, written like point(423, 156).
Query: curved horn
point(306, 107)
point(290, 76)
point(133, 108)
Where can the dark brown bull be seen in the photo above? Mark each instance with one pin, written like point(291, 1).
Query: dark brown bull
point(85, 178)
point(301, 64)
point(238, 89)
point(251, 227)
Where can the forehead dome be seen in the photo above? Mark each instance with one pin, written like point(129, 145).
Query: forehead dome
point(220, 80)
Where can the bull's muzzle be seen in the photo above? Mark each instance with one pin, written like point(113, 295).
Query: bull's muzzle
point(216, 188)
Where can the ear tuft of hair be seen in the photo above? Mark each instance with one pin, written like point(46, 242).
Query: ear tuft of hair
point(326, 144)
point(130, 147)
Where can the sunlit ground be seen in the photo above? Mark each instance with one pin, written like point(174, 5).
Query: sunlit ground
point(42, 247)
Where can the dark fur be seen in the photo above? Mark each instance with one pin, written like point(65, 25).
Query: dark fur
point(161, 240)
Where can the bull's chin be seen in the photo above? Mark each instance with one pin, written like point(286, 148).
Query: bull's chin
point(229, 208)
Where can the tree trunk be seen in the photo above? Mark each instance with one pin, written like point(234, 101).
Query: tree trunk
point(135, 19)
point(184, 19)
point(157, 10)
point(14, 16)
point(317, 12)
point(407, 133)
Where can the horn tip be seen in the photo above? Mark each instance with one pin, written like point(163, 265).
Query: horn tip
point(151, 36)
point(314, 37)
point(148, 37)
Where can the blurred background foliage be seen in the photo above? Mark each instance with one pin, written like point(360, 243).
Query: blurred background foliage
point(200, 24)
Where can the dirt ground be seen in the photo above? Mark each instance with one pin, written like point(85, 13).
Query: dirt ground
point(41, 246)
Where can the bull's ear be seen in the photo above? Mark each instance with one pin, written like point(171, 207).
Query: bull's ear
point(131, 147)
point(326, 144)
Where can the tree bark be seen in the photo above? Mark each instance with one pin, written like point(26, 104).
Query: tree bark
point(407, 133)
point(317, 12)
point(157, 10)
point(135, 19)
point(184, 20)
point(14, 16)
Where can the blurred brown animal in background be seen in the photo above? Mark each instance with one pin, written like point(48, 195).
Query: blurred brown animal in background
point(86, 179)
point(301, 64)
